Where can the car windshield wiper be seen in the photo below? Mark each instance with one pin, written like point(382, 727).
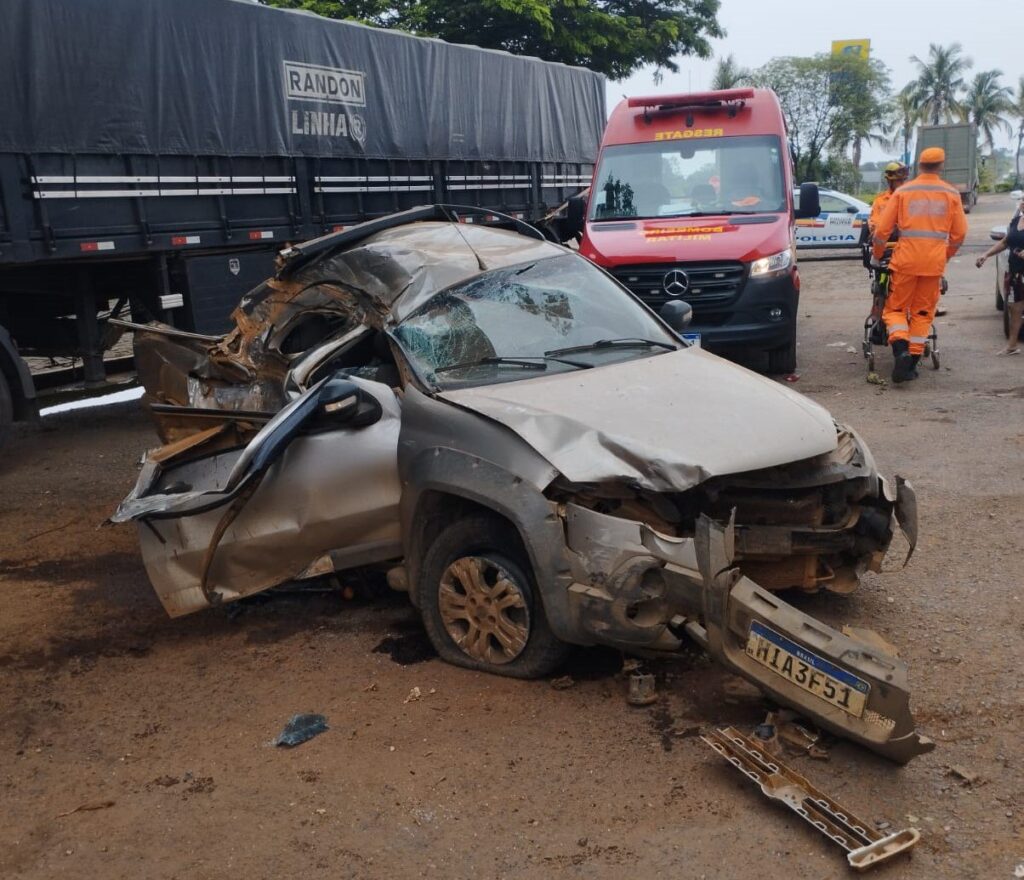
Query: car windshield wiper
point(526, 362)
point(628, 341)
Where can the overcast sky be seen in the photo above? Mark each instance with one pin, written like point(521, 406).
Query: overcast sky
point(757, 30)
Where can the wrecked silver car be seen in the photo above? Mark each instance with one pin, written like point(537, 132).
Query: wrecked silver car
point(530, 452)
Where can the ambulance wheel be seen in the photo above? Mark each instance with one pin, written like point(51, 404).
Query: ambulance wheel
point(783, 360)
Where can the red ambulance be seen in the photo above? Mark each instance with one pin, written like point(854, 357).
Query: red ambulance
point(692, 201)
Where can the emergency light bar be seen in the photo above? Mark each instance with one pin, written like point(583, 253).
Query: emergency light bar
point(693, 99)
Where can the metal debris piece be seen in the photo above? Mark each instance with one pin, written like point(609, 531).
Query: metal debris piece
point(864, 846)
point(642, 690)
point(414, 695)
point(796, 734)
point(300, 729)
point(95, 805)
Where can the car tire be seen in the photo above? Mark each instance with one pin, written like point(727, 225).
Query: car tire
point(469, 572)
point(783, 360)
point(6, 410)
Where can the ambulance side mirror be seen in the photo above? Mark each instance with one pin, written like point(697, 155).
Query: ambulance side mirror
point(810, 201)
point(575, 212)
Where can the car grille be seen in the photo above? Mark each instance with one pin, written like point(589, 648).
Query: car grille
point(710, 283)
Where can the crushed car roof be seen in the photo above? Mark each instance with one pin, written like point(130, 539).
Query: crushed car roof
point(402, 267)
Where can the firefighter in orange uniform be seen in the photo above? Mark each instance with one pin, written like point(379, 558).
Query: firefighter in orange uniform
point(896, 174)
point(930, 218)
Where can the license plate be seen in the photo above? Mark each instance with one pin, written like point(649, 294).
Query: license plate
point(691, 338)
point(807, 670)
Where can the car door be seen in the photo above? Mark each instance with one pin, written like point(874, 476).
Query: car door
point(320, 478)
point(838, 224)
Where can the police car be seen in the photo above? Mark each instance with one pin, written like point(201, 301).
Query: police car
point(837, 226)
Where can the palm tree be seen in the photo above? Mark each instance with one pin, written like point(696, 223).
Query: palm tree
point(986, 103)
point(902, 118)
point(1018, 111)
point(729, 75)
point(940, 81)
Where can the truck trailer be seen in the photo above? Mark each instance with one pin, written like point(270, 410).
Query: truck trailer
point(157, 154)
point(960, 141)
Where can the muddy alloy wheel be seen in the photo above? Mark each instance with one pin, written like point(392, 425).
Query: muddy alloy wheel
point(480, 603)
point(484, 610)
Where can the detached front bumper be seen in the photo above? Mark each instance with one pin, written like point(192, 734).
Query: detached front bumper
point(636, 588)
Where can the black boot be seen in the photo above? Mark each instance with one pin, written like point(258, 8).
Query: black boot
point(915, 359)
point(904, 366)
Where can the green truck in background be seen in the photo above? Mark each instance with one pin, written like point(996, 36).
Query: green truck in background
point(960, 141)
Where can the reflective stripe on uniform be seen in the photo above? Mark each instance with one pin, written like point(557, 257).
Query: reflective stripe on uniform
point(923, 233)
point(920, 339)
point(892, 328)
point(927, 187)
point(879, 241)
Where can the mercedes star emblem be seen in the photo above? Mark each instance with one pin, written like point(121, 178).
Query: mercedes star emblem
point(676, 282)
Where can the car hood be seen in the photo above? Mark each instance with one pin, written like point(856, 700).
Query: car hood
point(666, 422)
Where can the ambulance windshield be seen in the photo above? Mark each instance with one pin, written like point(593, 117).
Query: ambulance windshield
point(678, 178)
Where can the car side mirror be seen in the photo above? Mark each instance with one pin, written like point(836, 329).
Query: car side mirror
point(810, 201)
point(343, 404)
point(852, 209)
point(997, 233)
point(575, 214)
point(677, 314)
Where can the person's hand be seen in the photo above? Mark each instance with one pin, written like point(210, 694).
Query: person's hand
point(980, 261)
point(876, 263)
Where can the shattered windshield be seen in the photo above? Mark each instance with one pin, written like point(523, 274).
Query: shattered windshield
point(519, 322)
point(693, 177)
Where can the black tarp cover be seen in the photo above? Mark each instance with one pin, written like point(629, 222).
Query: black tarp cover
point(231, 77)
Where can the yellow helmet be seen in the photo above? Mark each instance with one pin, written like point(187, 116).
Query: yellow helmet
point(896, 171)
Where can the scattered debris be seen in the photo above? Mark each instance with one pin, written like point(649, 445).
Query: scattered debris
point(1019, 870)
point(93, 805)
point(642, 689)
point(414, 695)
point(793, 377)
point(166, 781)
point(201, 785)
point(864, 847)
point(963, 774)
point(408, 649)
point(836, 344)
point(300, 729)
point(784, 728)
point(850, 349)
point(371, 687)
point(875, 379)
point(563, 682)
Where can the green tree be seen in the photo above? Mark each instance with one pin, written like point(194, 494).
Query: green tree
point(729, 75)
point(1018, 111)
point(987, 104)
point(825, 101)
point(613, 37)
point(903, 115)
point(940, 82)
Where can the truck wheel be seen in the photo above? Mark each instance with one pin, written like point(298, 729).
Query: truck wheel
point(6, 410)
point(480, 604)
point(783, 360)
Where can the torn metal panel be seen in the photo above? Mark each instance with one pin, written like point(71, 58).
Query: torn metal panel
point(634, 586)
point(865, 847)
point(665, 423)
point(300, 510)
point(844, 685)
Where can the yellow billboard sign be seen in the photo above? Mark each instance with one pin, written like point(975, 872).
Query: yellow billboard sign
point(851, 49)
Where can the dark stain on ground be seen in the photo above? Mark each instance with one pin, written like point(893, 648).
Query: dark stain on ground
point(593, 664)
point(73, 570)
point(662, 723)
point(82, 653)
point(408, 648)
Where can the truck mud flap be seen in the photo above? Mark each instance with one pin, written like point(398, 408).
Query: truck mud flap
point(845, 685)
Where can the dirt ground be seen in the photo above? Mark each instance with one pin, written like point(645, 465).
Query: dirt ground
point(158, 731)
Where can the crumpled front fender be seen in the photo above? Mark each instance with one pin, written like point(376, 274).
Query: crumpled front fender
point(733, 602)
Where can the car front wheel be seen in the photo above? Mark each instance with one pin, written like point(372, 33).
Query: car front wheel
point(480, 605)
